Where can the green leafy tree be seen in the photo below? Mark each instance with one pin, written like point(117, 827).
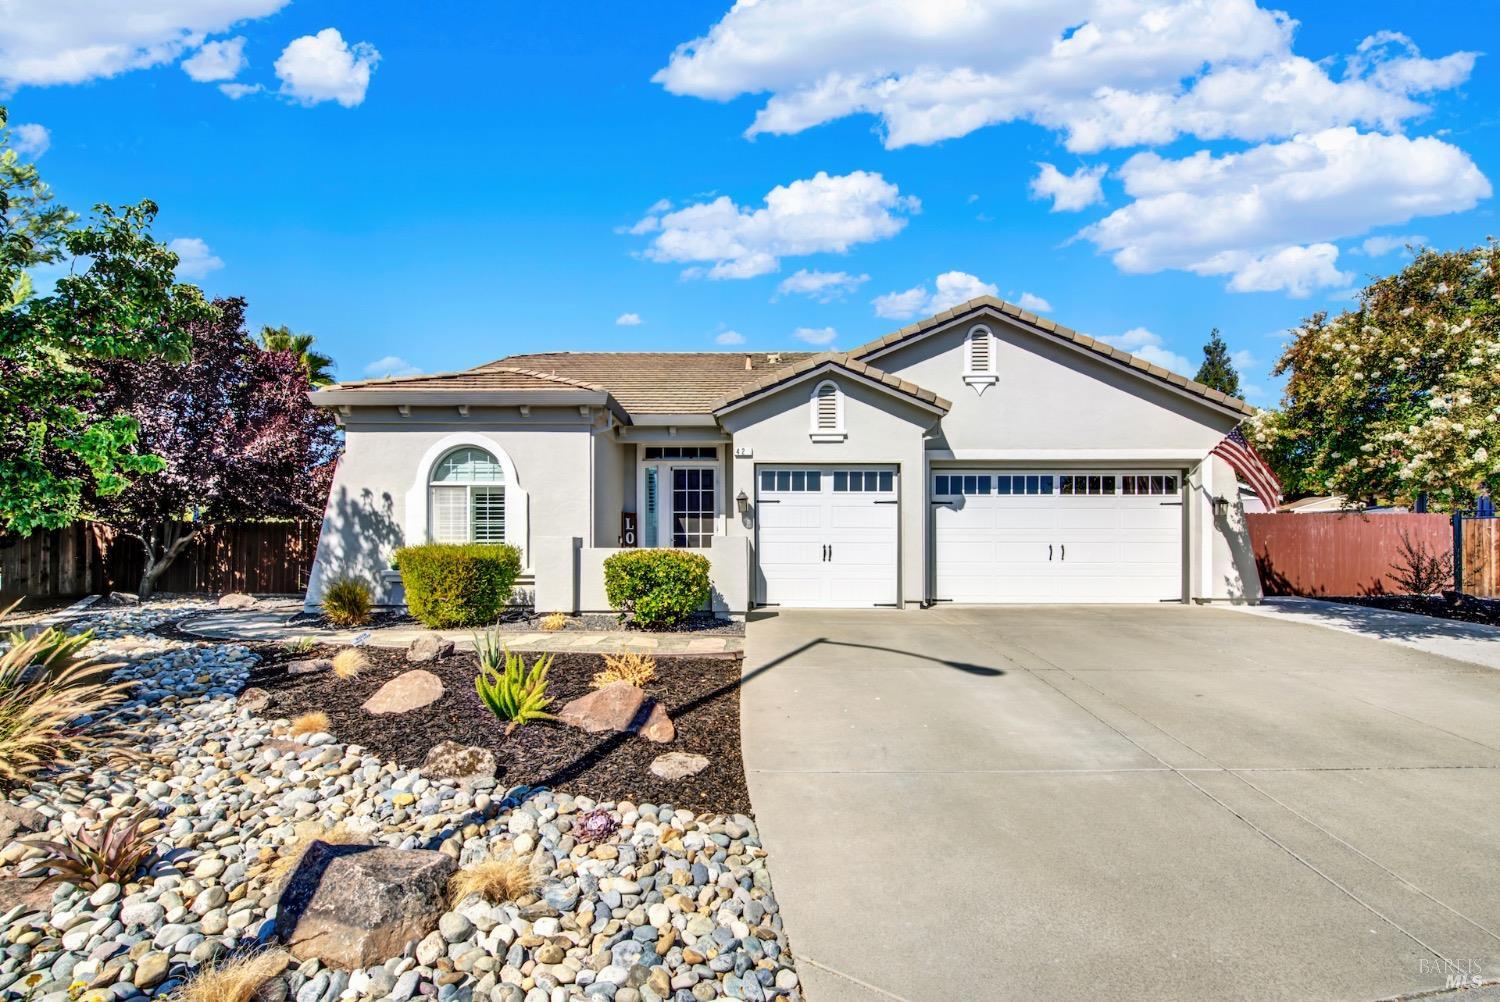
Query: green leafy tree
point(1217, 371)
point(318, 366)
point(1398, 400)
point(125, 303)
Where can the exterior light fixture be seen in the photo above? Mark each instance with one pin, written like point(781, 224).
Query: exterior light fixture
point(742, 501)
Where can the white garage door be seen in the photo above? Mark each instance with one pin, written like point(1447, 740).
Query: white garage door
point(826, 536)
point(1057, 536)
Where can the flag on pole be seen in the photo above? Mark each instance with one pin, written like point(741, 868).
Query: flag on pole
point(1237, 451)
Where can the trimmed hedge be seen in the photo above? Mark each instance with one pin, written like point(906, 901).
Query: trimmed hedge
point(660, 587)
point(458, 584)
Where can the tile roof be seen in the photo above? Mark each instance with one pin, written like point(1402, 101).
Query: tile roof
point(842, 361)
point(659, 382)
point(486, 377)
point(1054, 329)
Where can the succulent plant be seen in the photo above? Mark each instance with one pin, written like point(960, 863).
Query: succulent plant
point(595, 826)
point(90, 860)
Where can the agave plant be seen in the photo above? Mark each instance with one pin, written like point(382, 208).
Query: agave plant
point(114, 854)
point(46, 687)
point(513, 692)
point(595, 826)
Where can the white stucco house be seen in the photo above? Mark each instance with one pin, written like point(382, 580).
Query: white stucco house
point(983, 455)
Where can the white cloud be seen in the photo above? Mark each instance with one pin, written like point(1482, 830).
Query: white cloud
point(1382, 245)
point(391, 365)
point(820, 336)
point(729, 338)
point(1069, 192)
point(949, 289)
point(824, 286)
point(1148, 345)
point(628, 320)
point(80, 40)
point(1034, 303)
point(1103, 72)
point(30, 140)
point(323, 67)
point(235, 91)
point(217, 60)
point(195, 259)
point(820, 214)
point(1267, 216)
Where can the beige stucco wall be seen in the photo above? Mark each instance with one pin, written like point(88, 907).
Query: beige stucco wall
point(378, 501)
point(882, 429)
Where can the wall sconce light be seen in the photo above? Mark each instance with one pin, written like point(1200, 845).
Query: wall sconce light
point(742, 502)
point(1221, 507)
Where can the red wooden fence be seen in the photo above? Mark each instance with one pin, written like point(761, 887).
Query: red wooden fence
point(260, 557)
point(1339, 553)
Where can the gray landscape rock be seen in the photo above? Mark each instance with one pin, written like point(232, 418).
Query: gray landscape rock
point(18, 822)
point(619, 706)
point(678, 765)
point(237, 600)
point(410, 690)
point(465, 763)
point(354, 906)
point(254, 699)
point(428, 647)
point(309, 666)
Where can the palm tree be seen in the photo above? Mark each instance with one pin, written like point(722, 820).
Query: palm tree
point(317, 365)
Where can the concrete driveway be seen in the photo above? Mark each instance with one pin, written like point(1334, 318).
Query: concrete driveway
point(1126, 803)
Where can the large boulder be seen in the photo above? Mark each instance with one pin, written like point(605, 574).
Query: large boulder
point(18, 822)
point(355, 906)
point(465, 763)
point(428, 647)
point(237, 600)
point(678, 765)
point(410, 690)
point(309, 666)
point(619, 706)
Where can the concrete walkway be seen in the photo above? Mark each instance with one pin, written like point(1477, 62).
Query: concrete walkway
point(1450, 638)
point(1163, 803)
point(270, 624)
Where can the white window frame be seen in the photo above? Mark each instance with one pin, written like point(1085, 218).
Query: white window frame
point(816, 431)
point(416, 523)
point(664, 468)
point(980, 379)
point(469, 488)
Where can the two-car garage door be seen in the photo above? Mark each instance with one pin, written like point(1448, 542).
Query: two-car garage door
point(1057, 536)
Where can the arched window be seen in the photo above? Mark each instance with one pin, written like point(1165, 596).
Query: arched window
point(827, 405)
point(979, 358)
point(467, 498)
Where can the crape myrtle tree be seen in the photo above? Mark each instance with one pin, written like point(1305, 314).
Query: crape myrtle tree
point(234, 428)
point(1398, 400)
point(118, 301)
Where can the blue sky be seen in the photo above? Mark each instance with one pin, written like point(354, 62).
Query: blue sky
point(448, 188)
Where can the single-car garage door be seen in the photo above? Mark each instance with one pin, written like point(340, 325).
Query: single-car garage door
point(1057, 535)
point(826, 536)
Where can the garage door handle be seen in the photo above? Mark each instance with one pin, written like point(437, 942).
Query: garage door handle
point(1065, 551)
point(1049, 551)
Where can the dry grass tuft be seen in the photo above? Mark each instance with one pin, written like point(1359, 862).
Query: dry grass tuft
point(349, 662)
point(554, 622)
point(637, 669)
point(497, 880)
point(289, 855)
point(310, 723)
point(235, 981)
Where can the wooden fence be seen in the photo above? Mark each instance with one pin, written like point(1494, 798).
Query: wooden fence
point(1349, 553)
point(82, 559)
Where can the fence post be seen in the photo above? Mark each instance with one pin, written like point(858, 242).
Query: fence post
point(1458, 552)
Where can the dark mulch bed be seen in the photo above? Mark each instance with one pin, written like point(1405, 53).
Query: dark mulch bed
point(1466, 608)
point(700, 694)
point(524, 620)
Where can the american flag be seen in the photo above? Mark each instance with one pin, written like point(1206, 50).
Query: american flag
point(1237, 451)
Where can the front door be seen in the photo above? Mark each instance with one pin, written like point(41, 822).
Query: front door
point(826, 536)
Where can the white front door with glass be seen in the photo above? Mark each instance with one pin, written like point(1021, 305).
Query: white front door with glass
point(826, 536)
point(1057, 536)
point(680, 496)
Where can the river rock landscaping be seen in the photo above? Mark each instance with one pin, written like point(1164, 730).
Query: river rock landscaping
point(635, 887)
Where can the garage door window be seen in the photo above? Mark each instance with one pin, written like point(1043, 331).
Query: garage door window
point(1091, 484)
point(1154, 484)
point(954, 485)
point(852, 481)
point(792, 481)
point(1023, 483)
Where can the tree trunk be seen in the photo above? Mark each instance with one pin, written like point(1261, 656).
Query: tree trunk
point(162, 547)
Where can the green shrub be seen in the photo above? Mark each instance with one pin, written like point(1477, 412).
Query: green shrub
point(660, 587)
point(347, 601)
point(513, 692)
point(462, 584)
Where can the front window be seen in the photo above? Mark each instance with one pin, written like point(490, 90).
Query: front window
point(467, 494)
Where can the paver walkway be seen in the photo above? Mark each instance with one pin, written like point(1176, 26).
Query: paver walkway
point(270, 624)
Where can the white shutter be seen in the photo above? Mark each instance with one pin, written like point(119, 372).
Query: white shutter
point(828, 407)
point(450, 514)
point(489, 514)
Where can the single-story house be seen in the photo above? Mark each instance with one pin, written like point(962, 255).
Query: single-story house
point(983, 455)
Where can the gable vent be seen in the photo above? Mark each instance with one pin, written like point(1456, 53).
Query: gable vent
point(828, 407)
point(979, 359)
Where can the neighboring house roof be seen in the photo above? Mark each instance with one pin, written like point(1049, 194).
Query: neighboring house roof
point(660, 382)
point(1050, 328)
point(1327, 502)
point(825, 360)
